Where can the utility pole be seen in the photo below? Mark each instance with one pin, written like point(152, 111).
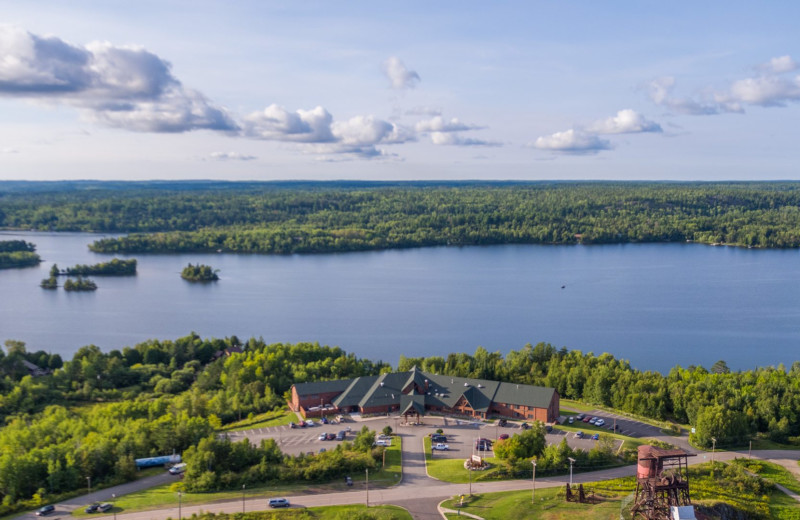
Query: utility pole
point(179, 504)
point(242, 498)
point(533, 493)
point(750, 451)
point(367, 470)
point(469, 467)
point(114, 501)
point(89, 485)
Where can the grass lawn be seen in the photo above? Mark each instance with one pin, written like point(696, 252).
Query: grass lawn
point(255, 497)
point(706, 490)
point(772, 472)
point(453, 470)
point(263, 420)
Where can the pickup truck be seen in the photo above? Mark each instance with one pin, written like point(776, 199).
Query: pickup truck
point(441, 446)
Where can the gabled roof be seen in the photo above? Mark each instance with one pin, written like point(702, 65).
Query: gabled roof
point(356, 391)
point(415, 403)
point(321, 387)
point(511, 393)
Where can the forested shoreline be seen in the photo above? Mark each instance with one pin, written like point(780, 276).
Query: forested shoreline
point(284, 218)
point(93, 415)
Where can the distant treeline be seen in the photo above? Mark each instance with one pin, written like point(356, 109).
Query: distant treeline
point(17, 253)
point(328, 217)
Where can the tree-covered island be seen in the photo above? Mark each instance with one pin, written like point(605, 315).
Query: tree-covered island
point(115, 267)
point(200, 273)
point(18, 253)
point(80, 284)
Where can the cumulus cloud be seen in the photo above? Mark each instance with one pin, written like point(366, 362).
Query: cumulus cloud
point(424, 111)
point(772, 88)
point(231, 156)
point(440, 124)
point(275, 123)
point(625, 122)
point(399, 75)
point(572, 141)
point(126, 87)
point(780, 65)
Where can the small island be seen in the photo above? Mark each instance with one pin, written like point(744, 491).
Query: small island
point(80, 284)
point(199, 273)
point(17, 253)
point(115, 267)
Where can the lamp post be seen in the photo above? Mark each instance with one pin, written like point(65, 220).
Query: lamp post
point(571, 462)
point(713, 449)
point(367, 470)
point(180, 493)
point(533, 493)
point(89, 485)
point(242, 498)
point(469, 469)
point(114, 507)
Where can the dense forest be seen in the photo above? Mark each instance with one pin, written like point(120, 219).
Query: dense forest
point(93, 415)
point(17, 253)
point(325, 217)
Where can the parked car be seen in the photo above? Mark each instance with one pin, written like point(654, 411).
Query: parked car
point(104, 507)
point(292, 425)
point(348, 480)
point(587, 418)
point(177, 469)
point(45, 510)
point(91, 508)
point(382, 442)
point(322, 437)
point(596, 437)
point(324, 420)
point(302, 424)
point(438, 437)
point(330, 436)
point(310, 422)
point(341, 435)
point(571, 420)
point(525, 426)
point(503, 437)
point(593, 420)
point(441, 447)
point(322, 450)
point(600, 422)
point(278, 502)
point(580, 416)
point(579, 435)
point(548, 428)
point(502, 422)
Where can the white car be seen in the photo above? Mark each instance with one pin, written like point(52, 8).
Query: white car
point(441, 447)
point(600, 422)
point(309, 422)
point(593, 420)
point(383, 443)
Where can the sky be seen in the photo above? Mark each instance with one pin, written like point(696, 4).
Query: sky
point(530, 90)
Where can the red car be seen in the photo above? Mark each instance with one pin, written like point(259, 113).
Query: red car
point(504, 437)
point(587, 418)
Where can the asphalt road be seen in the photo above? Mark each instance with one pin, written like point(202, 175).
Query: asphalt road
point(417, 492)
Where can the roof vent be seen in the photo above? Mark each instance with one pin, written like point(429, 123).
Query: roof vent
point(382, 385)
point(466, 384)
point(480, 385)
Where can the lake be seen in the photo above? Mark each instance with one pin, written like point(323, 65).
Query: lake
point(657, 305)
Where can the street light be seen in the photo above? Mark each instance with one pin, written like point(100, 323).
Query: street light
point(242, 498)
point(571, 462)
point(180, 493)
point(114, 507)
point(89, 485)
point(533, 493)
point(367, 470)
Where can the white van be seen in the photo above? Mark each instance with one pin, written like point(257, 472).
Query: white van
point(177, 469)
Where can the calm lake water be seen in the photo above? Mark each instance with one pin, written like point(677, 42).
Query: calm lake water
point(657, 305)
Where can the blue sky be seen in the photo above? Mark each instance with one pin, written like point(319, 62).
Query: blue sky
point(408, 90)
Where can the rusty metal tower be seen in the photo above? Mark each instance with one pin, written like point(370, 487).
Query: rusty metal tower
point(662, 480)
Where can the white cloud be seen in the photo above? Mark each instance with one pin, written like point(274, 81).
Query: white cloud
point(8, 149)
point(660, 91)
point(125, 87)
point(424, 111)
point(275, 123)
point(625, 122)
point(455, 139)
point(780, 65)
point(770, 89)
point(231, 156)
point(399, 75)
point(572, 141)
point(439, 124)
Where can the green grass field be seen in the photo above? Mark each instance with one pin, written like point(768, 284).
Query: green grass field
point(452, 470)
point(264, 420)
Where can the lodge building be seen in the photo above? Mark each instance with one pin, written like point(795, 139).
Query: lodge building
point(416, 392)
